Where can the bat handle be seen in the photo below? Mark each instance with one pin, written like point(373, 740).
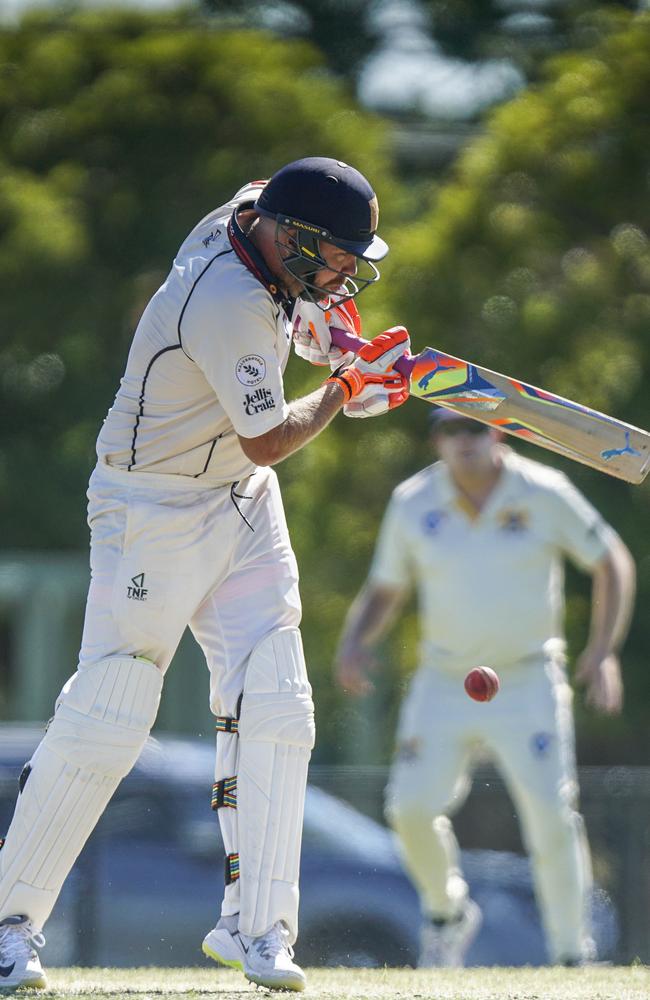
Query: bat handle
point(348, 342)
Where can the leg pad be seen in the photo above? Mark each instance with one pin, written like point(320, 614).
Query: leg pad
point(102, 720)
point(276, 734)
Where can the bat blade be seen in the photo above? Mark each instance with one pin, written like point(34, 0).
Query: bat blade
point(531, 414)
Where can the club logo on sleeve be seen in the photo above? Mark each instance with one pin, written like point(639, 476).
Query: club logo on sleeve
point(409, 750)
point(432, 521)
point(250, 370)
point(540, 744)
point(258, 401)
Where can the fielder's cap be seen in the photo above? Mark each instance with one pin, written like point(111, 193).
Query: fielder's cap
point(441, 415)
point(442, 418)
point(331, 196)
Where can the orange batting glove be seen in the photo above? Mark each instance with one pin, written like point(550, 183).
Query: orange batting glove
point(371, 384)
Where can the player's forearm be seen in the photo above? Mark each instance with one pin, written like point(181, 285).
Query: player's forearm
point(612, 599)
point(307, 417)
point(370, 617)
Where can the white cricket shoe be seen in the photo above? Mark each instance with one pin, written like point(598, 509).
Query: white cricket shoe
point(225, 944)
point(444, 945)
point(265, 961)
point(20, 965)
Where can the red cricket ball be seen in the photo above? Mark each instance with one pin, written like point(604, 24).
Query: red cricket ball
point(482, 683)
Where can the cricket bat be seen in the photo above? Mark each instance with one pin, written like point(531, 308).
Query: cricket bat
point(531, 414)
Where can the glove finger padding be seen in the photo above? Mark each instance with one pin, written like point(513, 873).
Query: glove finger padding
point(381, 353)
point(371, 384)
point(376, 399)
point(312, 339)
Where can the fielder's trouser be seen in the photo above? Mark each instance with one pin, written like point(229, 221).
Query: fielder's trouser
point(165, 554)
point(528, 732)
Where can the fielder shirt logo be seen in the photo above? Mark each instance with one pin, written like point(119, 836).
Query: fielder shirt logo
point(137, 591)
point(258, 401)
point(250, 370)
point(513, 521)
point(432, 521)
point(409, 750)
point(540, 744)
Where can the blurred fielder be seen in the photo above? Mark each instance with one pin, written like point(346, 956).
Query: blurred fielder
point(187, 527)
point(482, 535)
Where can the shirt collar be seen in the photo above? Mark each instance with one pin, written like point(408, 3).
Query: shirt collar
point(505, 486)
point(254, 261)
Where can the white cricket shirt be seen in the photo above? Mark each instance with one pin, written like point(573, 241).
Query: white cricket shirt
point(206, 362)
point(490, 589)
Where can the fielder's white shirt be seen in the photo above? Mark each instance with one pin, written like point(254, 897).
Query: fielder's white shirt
point(490, 588)
point(206, 362)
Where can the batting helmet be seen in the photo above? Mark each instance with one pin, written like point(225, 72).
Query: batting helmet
point(316, 199)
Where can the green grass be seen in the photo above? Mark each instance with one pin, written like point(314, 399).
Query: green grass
point(597, 983)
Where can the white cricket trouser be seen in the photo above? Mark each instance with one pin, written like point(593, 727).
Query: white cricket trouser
point(528, 733)
point(165, 555)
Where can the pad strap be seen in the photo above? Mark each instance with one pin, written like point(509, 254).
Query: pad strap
point(224, 793)
point(227, 724)
point(231, 868)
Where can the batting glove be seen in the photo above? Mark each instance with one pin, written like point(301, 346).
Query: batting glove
point(370, 383)
point(312, 339)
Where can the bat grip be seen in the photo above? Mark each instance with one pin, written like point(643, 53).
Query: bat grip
point(348, 342)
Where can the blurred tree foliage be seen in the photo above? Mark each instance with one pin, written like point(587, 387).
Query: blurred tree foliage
point(348, 31)
point(339, 28)
point(522, 31)
point(119, 130)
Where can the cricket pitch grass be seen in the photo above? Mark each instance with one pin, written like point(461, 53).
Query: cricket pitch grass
point(595, 983)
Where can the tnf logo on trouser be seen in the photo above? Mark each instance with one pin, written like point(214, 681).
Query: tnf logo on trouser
point(137, 590)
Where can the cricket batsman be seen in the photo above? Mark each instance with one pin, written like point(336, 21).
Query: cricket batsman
point(187, 528)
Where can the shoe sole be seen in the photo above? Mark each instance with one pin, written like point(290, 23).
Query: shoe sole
point(292, 983)
point(24, 984)
point(231, 963)
point(289, 983)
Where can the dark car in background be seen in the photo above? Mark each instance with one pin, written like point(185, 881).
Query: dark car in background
point(149, 883)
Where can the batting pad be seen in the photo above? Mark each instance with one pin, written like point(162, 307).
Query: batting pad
point(276, 734)
point(102, 720)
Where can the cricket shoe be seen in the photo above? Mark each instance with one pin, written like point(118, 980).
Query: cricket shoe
point(444, 944)
point(20, 965)
point(266, 960)
point(225, 944)
point(588, 956)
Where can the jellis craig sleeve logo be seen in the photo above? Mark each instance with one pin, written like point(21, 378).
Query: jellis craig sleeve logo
point(258, 401)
